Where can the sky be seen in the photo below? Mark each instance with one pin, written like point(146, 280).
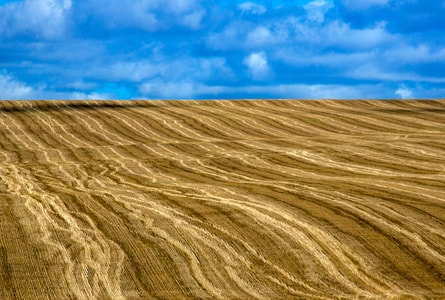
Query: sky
point(193, 49)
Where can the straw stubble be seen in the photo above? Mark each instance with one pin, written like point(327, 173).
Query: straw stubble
point(222, 199)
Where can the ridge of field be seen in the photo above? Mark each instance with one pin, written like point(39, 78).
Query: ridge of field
point(235, 199)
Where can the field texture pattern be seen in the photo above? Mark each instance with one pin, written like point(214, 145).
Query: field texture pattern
point(222, 199)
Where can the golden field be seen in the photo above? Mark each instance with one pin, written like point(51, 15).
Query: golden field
point(222, 199)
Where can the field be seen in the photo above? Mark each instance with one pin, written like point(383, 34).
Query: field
point(222, 199)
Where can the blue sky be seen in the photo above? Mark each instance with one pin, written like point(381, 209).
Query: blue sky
point(192, 49)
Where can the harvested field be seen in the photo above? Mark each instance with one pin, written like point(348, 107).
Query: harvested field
point(222, 199)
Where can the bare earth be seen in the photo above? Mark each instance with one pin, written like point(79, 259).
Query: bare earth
point(222, 199)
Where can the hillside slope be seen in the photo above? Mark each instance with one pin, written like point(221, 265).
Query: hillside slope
point(222, 199)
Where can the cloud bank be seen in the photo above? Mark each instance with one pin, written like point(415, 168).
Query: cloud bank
point(221, 49)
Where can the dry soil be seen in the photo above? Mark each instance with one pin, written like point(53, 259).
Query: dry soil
point(222, 199)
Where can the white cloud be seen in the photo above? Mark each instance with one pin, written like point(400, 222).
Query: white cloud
point(42, 18)
point(317, 9)
point(150, 15)
point(301, 57)
point(121, 70)
point(378, 71)
point(258, 65)
point(211, 68)
point(88, 96)
point(253, 8)
point(404, 93)
point(177, 90)
point(312, 31)
point(260, 35)
point(245, 35)
point(193, 20)
point(341, 34)
point(363, 4)
point(403, 54)
point(190, 90)
point(318, 91)
point(80, 85)
point(187, 13)
point(167, 90)
point(230, 37)
point(177, 6)
point(168, 69)
point(12, 89)
point(292, 32)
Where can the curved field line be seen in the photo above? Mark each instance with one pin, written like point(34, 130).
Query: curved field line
point(237, 199)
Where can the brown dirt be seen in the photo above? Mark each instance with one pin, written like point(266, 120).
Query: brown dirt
point(222, 199)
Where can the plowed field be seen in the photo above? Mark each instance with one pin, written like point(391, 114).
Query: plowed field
point(222, 199)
